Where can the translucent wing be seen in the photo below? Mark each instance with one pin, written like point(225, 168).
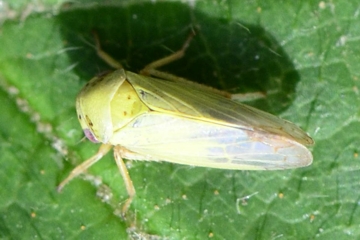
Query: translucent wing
point(193, 101)
point(177, 139)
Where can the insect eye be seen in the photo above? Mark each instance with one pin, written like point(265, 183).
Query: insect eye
point(89, 135)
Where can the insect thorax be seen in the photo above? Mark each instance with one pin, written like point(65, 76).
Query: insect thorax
point(126, 105)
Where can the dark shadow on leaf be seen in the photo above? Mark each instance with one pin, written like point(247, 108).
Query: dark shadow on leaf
point(228, 55)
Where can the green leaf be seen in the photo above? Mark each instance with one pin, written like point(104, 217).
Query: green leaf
point(304, 55)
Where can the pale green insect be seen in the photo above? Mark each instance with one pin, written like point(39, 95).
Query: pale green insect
point(178, 121)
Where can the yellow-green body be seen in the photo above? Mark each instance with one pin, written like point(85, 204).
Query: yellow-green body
point(181, 122)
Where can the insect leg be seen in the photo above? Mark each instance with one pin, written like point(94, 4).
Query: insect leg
point(104, 149)
point(104, 56)
point(150, 69)
point(246, 97)
point(127, 180)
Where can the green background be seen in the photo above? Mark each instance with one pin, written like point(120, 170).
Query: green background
point(303, 55)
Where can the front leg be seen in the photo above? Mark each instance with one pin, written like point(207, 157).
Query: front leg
point(104, 149)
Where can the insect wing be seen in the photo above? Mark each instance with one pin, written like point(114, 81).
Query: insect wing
point(187, 141)
point(186, 99)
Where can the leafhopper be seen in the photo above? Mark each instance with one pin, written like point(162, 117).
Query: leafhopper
point(175, 120)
